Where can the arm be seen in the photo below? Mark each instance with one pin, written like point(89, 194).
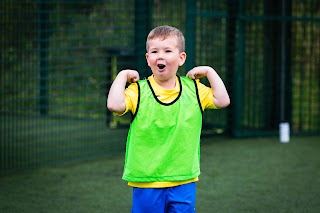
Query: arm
point(220, 95)
point(115, 101)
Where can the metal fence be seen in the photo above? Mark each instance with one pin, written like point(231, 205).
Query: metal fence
point(58, 59)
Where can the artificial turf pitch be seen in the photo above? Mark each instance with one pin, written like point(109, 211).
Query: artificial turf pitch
point(238, 175)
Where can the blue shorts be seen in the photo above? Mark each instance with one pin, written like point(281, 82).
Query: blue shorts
point(180, 199)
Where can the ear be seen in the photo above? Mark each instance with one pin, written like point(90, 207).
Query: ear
point(182, 58)
point(147, 56)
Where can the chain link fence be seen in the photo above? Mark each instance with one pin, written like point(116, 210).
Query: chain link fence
point(58, 59)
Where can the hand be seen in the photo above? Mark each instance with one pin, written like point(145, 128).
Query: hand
point(198, 72)
point(132, 75)
point(220, 95)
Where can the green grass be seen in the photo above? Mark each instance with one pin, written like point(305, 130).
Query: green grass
point(244, 175)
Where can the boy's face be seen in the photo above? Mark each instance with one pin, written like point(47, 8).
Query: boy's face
point(164, 57)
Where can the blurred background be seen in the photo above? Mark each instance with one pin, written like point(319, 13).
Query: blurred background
point(59, 58)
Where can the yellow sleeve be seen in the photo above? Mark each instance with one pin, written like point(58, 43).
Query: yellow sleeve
point(131, 98)
point(206, 96)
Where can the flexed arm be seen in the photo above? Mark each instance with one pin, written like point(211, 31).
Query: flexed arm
point(220, 95)
point(115, 101)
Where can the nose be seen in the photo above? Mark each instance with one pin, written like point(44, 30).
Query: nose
point(160, 55)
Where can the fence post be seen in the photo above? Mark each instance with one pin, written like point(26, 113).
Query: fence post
point(190, 33)
point(284, 118)
point(237, 78)
point(142, 26)
point(43, 51)
point(231, 59)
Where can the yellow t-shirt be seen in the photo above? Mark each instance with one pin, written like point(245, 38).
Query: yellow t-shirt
point(166, 96)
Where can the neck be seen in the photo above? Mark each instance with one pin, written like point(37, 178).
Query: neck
point(167, 84)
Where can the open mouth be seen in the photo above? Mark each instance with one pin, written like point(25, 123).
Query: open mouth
point(161, 66)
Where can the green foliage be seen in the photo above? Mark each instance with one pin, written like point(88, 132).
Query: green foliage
point(305, 70)
point(79, 36)
point(261, 58)
point(82, 36)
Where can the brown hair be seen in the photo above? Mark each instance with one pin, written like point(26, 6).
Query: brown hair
point(164, 32)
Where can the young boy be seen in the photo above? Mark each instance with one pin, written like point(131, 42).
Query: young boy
point(162, 161)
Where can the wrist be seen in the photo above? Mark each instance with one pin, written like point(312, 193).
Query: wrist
point(123, 73)
point(122, 77)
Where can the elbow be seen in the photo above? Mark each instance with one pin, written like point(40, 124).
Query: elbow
point(222, 103)
point(227, 102)
point(109, 106)
point(113, 107)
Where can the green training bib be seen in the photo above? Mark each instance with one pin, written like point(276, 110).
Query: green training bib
point(163, 142)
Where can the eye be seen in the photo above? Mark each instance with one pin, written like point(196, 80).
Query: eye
point(154, 51)
point(168, 51)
